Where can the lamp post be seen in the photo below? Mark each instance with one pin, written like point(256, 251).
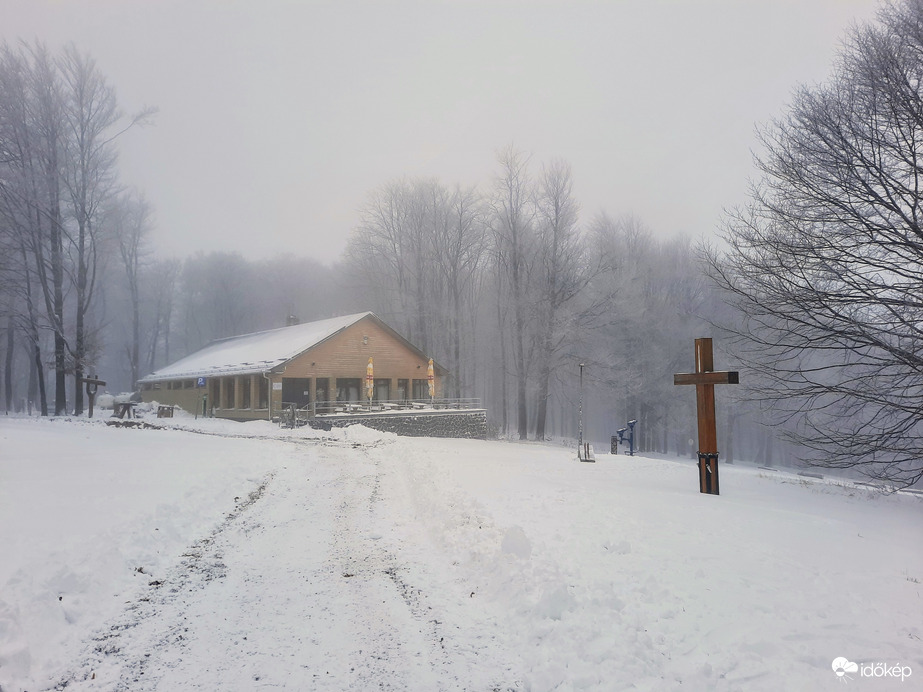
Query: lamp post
point(580, 409)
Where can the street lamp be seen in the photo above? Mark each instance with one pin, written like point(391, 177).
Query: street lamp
point(580, 410)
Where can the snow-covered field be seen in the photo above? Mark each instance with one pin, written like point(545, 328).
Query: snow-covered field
point(356, 560)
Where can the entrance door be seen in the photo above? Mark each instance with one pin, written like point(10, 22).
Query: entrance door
point(348, 389)
point(296, 390)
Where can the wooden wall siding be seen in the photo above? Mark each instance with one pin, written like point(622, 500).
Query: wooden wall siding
point(187, 399)
point(347, 355)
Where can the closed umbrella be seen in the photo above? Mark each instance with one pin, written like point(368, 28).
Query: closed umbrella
point(370, 381)
point(431, 380)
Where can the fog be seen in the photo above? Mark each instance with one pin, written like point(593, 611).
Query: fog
point(277, 119)
point(464, 151)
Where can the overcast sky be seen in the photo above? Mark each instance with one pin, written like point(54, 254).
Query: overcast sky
point(278, 118)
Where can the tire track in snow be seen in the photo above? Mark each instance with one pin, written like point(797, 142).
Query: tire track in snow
point(400, 644)
point(114, 649)
point(279, 596)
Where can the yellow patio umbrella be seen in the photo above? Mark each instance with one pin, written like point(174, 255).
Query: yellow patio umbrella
point(370, 381)
point(431, 379)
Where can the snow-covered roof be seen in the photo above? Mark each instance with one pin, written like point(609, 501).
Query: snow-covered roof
point(253, 353)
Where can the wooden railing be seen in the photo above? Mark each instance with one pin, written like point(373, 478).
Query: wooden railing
point(291, 415)
point(320, 408)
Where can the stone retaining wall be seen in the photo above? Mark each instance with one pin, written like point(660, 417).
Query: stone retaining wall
point(470, 424)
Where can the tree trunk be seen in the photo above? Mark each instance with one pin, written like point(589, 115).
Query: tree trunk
point(40, 378)
point(504, 397)
point(544, 380)
point(521, 406)
point(60, 344)
point(8, 364)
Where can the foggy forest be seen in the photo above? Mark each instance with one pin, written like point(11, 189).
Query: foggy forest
point(811, 291)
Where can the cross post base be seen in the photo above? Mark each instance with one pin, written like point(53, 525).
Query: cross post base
point(708, 473)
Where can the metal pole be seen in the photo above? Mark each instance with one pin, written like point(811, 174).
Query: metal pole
point(580, 410)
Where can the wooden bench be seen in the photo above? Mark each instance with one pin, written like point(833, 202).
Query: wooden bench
point(585, 452)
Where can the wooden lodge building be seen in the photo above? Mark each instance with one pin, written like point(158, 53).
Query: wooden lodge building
point(321, 363)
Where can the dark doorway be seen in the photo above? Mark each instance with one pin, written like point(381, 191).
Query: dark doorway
point(348, 389)
point(296, 390)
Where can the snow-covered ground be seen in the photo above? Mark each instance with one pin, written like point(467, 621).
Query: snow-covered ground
point(137, 559)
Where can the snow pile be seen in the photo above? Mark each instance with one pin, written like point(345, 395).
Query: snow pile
point(352, 560)
point(258, 429)
point(361, 435)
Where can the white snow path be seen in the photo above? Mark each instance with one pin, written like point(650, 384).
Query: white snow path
point(298, 590)
point(366, 561)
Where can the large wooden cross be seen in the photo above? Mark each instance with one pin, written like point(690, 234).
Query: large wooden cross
point(705, 378)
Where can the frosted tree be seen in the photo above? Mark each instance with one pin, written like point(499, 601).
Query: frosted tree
point(131, 220)
point(826, 261)
point(563, 270)
point(512, 223)
point(32, 136)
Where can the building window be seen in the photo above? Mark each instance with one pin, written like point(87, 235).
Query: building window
point(245, 392)
point(262, 389)
point(382, 389)
point(420, 389)
point(229, 392)
point(188, 384)
point(321, 395)
point(348, 389)
point(403, 390)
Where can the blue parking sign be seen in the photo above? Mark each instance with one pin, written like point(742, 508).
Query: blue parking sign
point(200, 382)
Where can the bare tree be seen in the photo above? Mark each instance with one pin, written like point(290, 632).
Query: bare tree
point(132, 222)
point(161, 278)
point(564, 270)
point(379, 254)
point(458, 253)
point(416, 258)
point(89, 112)
point(513, 213)
point(827, 261)
point(92, 121)
point(217, 300)
point(57, 125)
point(30, 185)
point(47, 228)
